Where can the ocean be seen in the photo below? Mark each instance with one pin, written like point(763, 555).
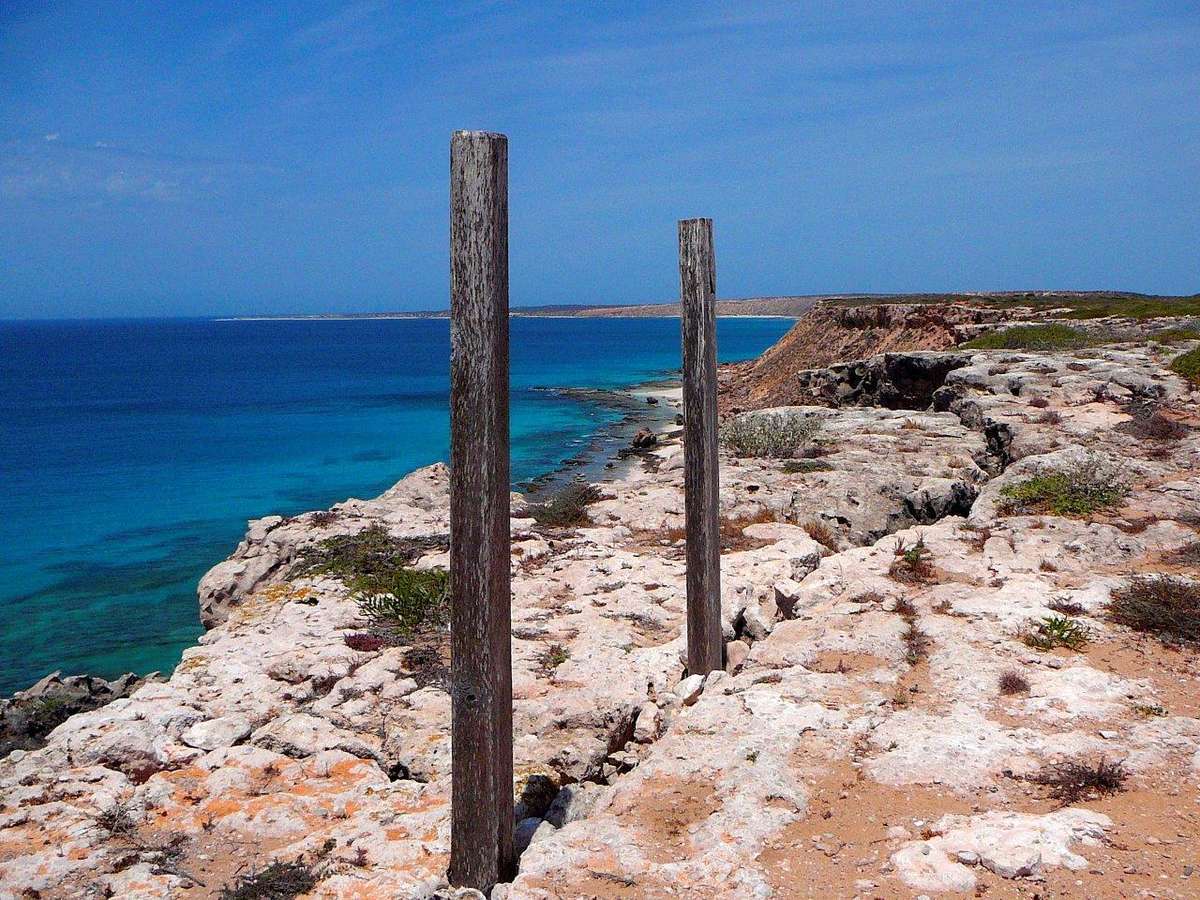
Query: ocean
point(132, 452)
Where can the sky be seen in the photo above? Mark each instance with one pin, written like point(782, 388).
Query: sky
point(211, 158)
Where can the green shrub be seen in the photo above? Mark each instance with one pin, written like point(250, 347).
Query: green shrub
point(1034, 337)
point(375, 566)
point(47, 713)
point(567, 507)
point(1188, 365)
point(775, 436)
point(1076, 489)
point(1057, 631)
point(406, 600)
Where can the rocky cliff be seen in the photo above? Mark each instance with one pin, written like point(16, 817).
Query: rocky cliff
point(935, 679)
point(837, 331)
point(833, 333)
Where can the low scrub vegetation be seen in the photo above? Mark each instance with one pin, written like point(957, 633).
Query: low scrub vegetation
point(278, 881)
point(912, 563)
point(1073, 781)
point(1150, 710)
point(405, 600)
point(1034, 337)
point(774, 436)
point(916, 643)
point(396, 599)
point(367, 641)
point(1154, 425)
point(372, 551)
point(1188, 365)
point(551, 657)
point(566, 508)
point(1175, 335)
point(117, 819)
point(804, 466)
point(1164, 606)
point(1057, 631)
point(1078, 489)
point(1050, 417)
point(44, 714)
point(1066, 606)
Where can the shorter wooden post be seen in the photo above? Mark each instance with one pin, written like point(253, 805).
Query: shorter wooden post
point(698, 297)
point(481, 818)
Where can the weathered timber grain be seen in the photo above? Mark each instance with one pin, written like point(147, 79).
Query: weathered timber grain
point(481, 835)
point(698, 296)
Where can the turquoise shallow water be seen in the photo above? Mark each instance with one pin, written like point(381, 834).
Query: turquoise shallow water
point(133, 452)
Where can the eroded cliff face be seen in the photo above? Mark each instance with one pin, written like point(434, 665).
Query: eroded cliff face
point(859, 742)
point(832, 333)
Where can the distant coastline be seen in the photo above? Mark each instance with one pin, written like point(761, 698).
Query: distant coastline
point(780, 307)
point(791, 307)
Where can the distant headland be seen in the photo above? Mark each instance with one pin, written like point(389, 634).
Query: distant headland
point(785, 306)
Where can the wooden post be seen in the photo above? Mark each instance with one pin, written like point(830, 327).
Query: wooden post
point(481, 830)
point(698, 296)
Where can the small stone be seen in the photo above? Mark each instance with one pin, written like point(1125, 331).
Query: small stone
point(648, 725)
point(967, 857)
point(735, 654)
point(689, 690)
point(1109, 735)
point(224, 731)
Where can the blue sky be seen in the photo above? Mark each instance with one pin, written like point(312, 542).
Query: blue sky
point(208, 158)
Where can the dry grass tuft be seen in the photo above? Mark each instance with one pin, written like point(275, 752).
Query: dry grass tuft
point(1012, 682)
point(278, 881)
point(822, 534)
point(1066, 607)
point(1073, 781)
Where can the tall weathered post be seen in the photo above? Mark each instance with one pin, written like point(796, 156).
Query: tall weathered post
point(698, 296)
point(481, 831)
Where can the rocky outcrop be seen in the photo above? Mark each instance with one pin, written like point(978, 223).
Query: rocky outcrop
point(858, 740)
point(273, 544)
point(29, 715)
point(890, 380)
point(831, 333)
point(809, 363)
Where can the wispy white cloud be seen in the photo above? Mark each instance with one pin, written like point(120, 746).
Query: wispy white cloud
point(56, 170)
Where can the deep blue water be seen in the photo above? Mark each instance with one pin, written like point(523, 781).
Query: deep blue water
point(133, 452)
